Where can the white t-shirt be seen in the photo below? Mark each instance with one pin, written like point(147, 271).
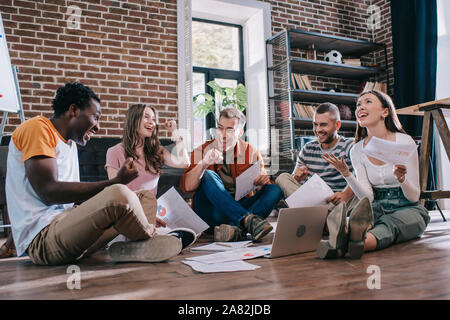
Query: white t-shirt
point(369, 175)
point(27, 212)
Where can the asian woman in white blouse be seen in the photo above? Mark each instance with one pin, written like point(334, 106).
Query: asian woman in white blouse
point(389, 210)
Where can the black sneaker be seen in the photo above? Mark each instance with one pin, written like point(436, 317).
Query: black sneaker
point(187, 236)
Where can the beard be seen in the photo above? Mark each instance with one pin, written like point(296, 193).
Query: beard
point(329, 137)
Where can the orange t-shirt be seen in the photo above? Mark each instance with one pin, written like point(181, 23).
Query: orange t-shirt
point(36, 137)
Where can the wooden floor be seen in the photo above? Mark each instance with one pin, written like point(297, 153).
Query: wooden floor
point(415, 270)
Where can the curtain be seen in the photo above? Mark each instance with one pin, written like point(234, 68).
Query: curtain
point(414, 37)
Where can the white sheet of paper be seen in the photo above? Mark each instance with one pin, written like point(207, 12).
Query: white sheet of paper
point(389, 151)
point(223, 246)
point(314, 192)
point(244, 182)
point(233, 255)
point(176, 213)
point(221, 267)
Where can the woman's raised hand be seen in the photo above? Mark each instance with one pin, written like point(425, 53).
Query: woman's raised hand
point(170, 125)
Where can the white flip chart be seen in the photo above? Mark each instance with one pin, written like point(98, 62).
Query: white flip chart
point(8, 94)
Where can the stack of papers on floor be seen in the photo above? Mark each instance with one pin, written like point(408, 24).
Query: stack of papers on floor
point(227, 261)
point(221, 267)
point(223, 246)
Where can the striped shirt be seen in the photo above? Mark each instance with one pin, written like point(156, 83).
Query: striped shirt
point(310, 156)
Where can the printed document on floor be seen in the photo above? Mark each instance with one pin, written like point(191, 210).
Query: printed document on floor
point(221, 267)
point(233, 255)
point(223, 246)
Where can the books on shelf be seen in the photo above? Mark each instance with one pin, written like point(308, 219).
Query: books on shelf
point(352, 62)
point(303, 111)
point(301, 82)
point(306, 82)
point(380, 86)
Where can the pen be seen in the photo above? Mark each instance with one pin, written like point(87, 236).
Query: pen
point(225, 244)
point(229, 245)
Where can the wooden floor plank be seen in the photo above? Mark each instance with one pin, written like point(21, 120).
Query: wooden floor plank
point(414, 270)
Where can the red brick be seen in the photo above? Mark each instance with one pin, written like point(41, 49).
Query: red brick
point(127, 50)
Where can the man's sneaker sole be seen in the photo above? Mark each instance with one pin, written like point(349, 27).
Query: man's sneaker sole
point(157, 249)
point(360, 220)
point(266, 229)
point(226, 233)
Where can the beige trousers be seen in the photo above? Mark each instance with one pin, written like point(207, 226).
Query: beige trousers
point(79, 228)
point(289, 185)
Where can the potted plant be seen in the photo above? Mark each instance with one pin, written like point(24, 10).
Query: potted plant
point(223, 97)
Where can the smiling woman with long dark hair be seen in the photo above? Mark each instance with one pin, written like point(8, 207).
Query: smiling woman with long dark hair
point(389, 211)
point(141, 143)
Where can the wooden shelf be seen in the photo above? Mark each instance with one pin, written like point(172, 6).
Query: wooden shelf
point(313, 96)
point(324, 96)
point(348, 47)
point(334, 70)
point(302, 122)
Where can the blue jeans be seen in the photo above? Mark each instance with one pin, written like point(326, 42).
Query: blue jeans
point(216, 206)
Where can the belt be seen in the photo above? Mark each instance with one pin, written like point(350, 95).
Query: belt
point(387, 193)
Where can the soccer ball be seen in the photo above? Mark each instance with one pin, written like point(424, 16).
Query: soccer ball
point(333, 57)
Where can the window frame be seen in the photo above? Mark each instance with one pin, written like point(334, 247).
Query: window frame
point(213, 73)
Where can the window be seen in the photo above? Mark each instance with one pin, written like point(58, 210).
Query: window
point(253, 18)
point(216, 55)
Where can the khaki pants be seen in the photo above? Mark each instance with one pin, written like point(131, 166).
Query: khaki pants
point(289, 185)
point(77, 229)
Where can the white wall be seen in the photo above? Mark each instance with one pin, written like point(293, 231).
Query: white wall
point(443, 91)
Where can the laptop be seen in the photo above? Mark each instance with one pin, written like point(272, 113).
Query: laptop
point(298, 230)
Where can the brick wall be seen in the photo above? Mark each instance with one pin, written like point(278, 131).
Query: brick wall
point(384, 35)
point(336, 17)
point(340, 18)
point(126, 51)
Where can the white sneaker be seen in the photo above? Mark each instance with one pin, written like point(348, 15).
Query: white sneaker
point(157, 249)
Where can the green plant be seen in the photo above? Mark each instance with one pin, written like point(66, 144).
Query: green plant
point(225, 96)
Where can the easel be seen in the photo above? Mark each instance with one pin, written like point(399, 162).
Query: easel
point(5, 116)
point(15, 70)
point(431, 111)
